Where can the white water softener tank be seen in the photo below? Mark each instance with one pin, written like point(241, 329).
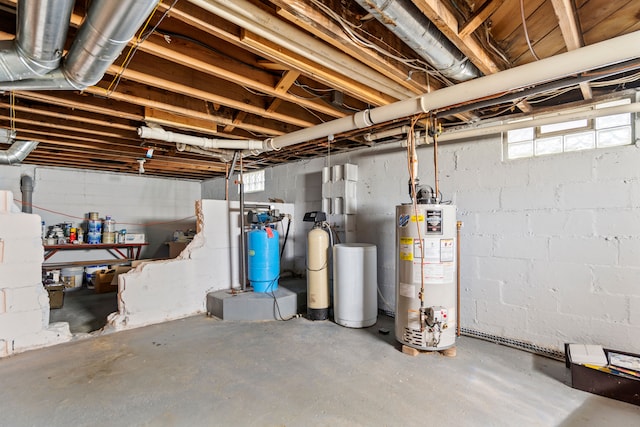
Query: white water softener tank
point(426, 276)
point(355, 282)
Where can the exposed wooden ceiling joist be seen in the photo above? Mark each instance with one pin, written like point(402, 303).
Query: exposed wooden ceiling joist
point(280, 67)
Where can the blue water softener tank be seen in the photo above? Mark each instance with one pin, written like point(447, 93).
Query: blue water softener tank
point(263, 260)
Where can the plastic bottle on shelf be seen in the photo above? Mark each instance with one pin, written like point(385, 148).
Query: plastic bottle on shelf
point(80, 235)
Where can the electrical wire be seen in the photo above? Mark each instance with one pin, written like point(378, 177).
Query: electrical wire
point(82, 218)
point(348, 28)
point(494, 48)
point(526, 31)
point(553, 94)
point(276, 307)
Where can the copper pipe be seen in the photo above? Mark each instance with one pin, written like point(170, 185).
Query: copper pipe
point(435, 160)
point(458, 227)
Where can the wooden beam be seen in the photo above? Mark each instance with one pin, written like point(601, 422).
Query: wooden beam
point(308, 17)
point(198, 58)
point(568, 21)
point(82, 117)
point(447, 23)
point(182, 106)
point(479, 16)
point(188, 82)
point(236, 120)
point(287, 80)
point(327, 76)
point(570, 26)
point(210, 23)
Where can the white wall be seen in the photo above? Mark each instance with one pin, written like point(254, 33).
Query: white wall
point(137, 203)
point(159, 291)
point(24, 303)
point(298, 183)
point(550, 248)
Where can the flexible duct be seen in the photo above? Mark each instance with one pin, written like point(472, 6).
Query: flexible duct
point(107, 28)
point(407, 22)
point(26, 187)
point(41, 30)
point(18, 151)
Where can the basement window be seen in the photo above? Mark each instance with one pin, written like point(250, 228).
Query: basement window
point(253, 181)
point(572, 135)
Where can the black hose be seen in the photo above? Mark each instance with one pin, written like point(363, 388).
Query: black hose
point(286, 236)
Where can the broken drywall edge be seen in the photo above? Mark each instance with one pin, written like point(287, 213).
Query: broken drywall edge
point(196, 243)
point(165, 290)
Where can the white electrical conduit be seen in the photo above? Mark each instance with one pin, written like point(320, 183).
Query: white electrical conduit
point(598, 55)
point(484, 129)
point(250, 17)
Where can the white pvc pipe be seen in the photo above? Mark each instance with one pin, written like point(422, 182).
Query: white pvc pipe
point(248, 16)
point(608, 52)
point(484, 129)
point(503, 126)
point(231, 144)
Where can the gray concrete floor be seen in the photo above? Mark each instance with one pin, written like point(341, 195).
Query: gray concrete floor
point(201, 371)
point(85, 310)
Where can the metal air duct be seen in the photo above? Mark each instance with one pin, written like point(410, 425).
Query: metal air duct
point(107, 28)
point(18, 151)
point(41, 31)
point(407, 22)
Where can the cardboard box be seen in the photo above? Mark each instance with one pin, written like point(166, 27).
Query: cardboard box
point(608, 384)
point(176, 247)
point(102, 281)
point(118, 271)
point(134, 238)
point(56, 295)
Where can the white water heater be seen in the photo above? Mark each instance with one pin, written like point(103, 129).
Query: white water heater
point(426, 276)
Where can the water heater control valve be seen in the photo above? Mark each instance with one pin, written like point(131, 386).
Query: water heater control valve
point(437, 316)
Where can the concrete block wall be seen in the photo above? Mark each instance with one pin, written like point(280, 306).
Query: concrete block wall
point(550, 248)
point(299, 184)
point(139, 204)
point(158, 291)
point(24, 303)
